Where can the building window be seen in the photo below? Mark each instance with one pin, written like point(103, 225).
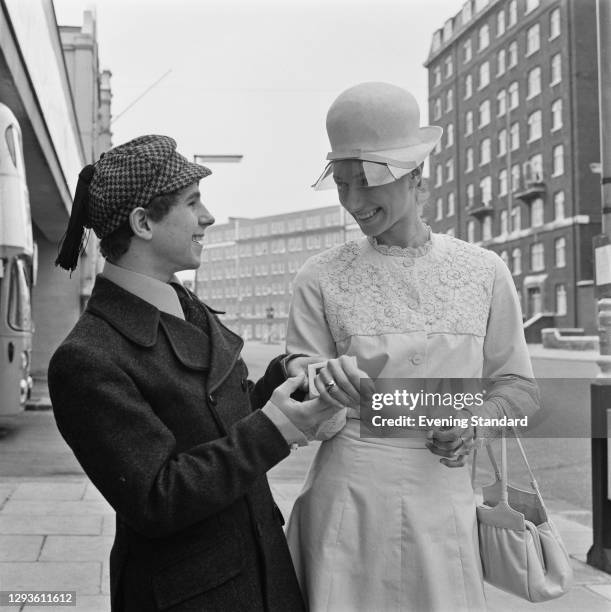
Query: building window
point(450, 135)
point(531, 5)
point(515, 177)
point(558, 160)
point(502, 143)
point(449, 66)
point(484, 151)
point(503, 183)
point(487, 228)
point(437, 148)
point(556, 115)
point(536, 213)
point(483, 37)
point(484, 75)
point(471, 231)
point(484, 113)
point(450, 231)
point(501, 64)
point(537, 257)
point(451, 205)
point(561, 301)
point(513, 13)
point(556, 69)
point(534, 168)
point(554, 24)
point(505, 258)
point(500, 22)
point(438, 175)
point(559, 205)
point(512, 52)
point(533, 39)
point(470, 196)
point(466, 12)
point(516, 219)
point(449, 100)
point(560, 252)
point(501, 103)
point(516, 261)
point(437, 108)
point(467, 51)
point(504, 224)
point(514, 136)
point(468, 86)
point(534, 126)
point(469, 161)
point(450, 170)
point(468, 123)
point(534, 82)
point(439, 209)
point(514, 95)
point(436, 76)
point(485, 186)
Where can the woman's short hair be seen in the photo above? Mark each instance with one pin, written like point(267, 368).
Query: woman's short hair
point(117, 242)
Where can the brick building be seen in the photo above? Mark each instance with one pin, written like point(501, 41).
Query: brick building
point(248, 265)
point(514, 85)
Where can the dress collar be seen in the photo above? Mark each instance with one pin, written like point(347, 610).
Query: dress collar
point(397, 251)
point(155, 292)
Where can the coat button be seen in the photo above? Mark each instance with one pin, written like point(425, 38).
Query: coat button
point(244, 384)
point(417, 359)
point(211, 400)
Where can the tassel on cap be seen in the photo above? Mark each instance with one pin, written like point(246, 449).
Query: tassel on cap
point(72, 242)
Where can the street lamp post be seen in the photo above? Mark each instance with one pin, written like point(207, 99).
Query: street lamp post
point(599, 554)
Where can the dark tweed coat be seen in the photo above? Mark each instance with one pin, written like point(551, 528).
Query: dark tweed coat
point(165, 423)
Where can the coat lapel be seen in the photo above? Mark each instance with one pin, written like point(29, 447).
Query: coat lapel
point(139, 322)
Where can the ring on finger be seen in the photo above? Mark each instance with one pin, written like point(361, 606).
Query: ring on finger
point(329, 386)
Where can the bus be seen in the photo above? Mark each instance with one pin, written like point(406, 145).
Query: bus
point(17, 270)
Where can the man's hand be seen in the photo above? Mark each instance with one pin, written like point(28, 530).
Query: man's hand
point(452, 444)
point(298, 366)
point(341, 383)
point(306, 416)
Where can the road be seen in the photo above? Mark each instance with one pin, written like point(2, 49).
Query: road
point(31, 447)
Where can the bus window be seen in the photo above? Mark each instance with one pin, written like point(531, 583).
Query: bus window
point(10, 135)
point(19, 307)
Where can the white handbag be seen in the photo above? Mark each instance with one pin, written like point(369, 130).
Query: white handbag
point(520, 549)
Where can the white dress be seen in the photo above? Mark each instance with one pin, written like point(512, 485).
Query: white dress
point(381, 524)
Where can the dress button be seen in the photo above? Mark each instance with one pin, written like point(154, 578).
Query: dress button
point(212, 400)
point(417, 359)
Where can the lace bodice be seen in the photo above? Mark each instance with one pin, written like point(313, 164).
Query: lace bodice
point(445, 286)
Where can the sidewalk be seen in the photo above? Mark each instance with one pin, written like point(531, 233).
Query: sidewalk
point(56, 533)
point(57, 536)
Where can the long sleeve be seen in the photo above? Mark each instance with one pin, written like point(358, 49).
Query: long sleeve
point(132, 456)
point(308, 332)
point(506, 359)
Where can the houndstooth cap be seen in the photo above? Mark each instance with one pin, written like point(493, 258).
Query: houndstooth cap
point(131, 175)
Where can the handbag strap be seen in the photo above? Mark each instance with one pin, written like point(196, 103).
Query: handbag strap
point(502, 474)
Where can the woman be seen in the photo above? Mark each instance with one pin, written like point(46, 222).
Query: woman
point(383, 523)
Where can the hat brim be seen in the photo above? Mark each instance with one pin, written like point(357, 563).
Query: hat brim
point(408, 157)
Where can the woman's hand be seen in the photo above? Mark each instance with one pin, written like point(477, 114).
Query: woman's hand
point(342, 384)
point(452, 444)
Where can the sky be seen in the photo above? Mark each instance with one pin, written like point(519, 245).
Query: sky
point(255, 78)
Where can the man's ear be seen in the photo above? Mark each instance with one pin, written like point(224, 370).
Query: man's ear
point(139, 222)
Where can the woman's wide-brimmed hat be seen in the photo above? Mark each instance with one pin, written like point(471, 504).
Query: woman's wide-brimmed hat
point(377, 123)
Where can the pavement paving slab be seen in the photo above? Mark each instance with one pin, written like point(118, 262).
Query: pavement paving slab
point(32, 508)
point(579, 598)
point(20, 547)
point(84, 603)
point(58, 491)
point(50, 525)
point(76, 548)
point(82, 577)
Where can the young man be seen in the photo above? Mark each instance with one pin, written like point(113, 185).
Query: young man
point(151, 394)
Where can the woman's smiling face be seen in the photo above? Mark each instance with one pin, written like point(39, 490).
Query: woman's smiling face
point(379, 211)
